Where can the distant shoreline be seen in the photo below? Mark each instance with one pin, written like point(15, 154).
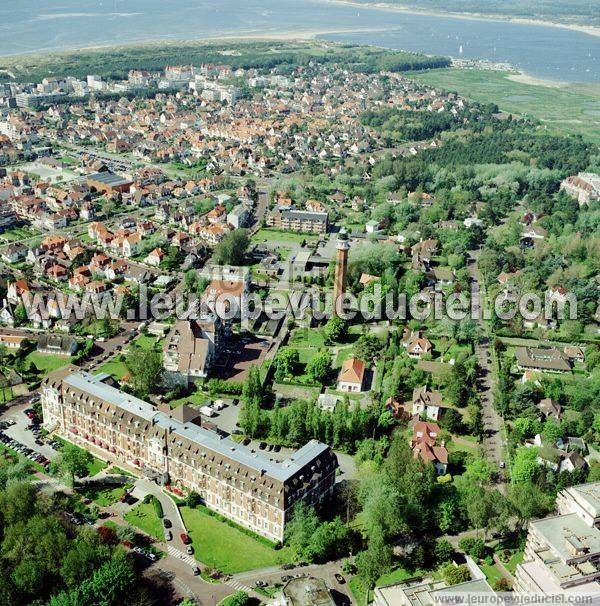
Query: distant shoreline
point(591, 30)
point(301, 35)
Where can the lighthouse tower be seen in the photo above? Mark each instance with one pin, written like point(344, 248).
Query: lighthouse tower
point(341, 270)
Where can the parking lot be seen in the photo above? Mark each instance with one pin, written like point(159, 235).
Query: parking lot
point(20, 431)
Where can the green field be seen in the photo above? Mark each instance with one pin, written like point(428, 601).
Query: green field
point(572, 108)
point(226, 548)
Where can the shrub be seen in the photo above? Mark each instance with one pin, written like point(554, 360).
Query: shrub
point(473, 546)
point(193, 500)
point(501, 584)
point(157, 507)
point(443, 550)
point(453, 575)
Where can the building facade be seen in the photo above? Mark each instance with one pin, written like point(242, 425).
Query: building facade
point(243, 485)
point(289, 218)
point(562, 554)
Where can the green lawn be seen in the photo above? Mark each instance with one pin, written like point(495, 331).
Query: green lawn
point(307, 337)
point(359, 591)
point(96, 466)
point(144, 517)
point(464, 444)
point(514, 561)
point(46, 363)
point(492, 573)
point(18, 233)
point(226, 548)
point(275, 235)
point(114, 368)
point(343, 354)
point(119, 471)
point(147, 343)
point(104, 495)
point(572, 108)
point(399, 575)
point(196, 398)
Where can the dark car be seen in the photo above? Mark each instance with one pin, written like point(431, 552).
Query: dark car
point(167, 523)
point(339, 578)
point(262, 445)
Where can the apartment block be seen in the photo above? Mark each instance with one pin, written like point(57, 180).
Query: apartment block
point(562, 554)
point(167, 446)
point(289, 218)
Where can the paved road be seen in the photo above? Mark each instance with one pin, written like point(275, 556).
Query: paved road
point(493, 441)
point(340, 592)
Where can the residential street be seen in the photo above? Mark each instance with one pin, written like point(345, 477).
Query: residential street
point(493, 440)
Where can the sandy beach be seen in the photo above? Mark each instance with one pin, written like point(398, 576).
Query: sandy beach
point(585, 29)
point(523, 78)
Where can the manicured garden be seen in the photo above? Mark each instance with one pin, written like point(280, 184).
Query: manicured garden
point(226, 548)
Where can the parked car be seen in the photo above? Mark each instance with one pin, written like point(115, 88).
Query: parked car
point(339, 578)
point(262, 445)
point(185, 539)
point(189, 549)
point(195, 571)
point(167, 523)
point(168, 535)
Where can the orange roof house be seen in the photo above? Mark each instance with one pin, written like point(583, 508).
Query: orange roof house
point(424, 445)
point(352, 375)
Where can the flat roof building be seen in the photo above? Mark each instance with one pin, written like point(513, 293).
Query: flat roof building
point(562, 554)
point(108, 182)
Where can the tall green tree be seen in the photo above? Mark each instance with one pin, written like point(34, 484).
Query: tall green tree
point(231, 250)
